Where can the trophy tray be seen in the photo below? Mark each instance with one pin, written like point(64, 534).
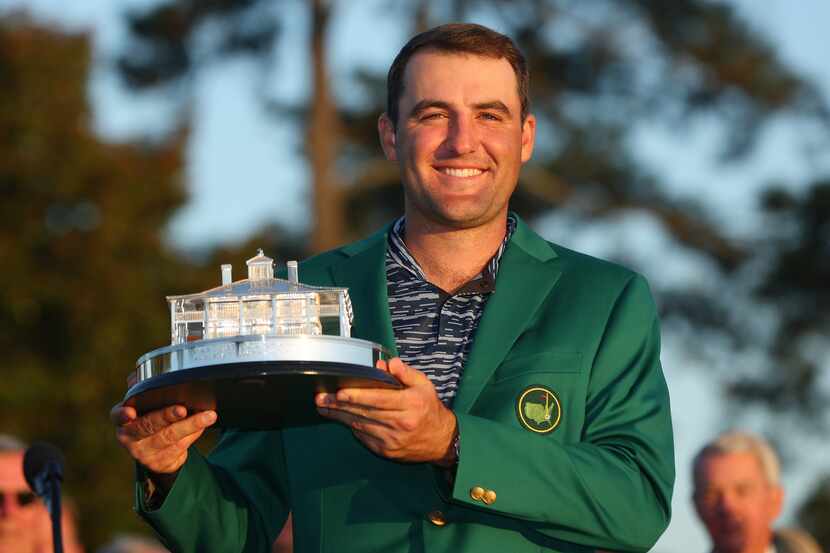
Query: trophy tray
point(256, 381)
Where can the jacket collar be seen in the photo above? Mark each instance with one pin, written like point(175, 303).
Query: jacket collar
point(529, 269)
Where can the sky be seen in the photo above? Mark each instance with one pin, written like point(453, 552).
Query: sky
point(243, 171)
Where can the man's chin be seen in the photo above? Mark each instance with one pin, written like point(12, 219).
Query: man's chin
point(731, 543)
point(464, 218)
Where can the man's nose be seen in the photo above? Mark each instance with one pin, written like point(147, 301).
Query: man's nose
point(462, 137)
point(727, 504)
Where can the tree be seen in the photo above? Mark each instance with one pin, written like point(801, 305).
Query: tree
point(815, 511)
point(85, 269)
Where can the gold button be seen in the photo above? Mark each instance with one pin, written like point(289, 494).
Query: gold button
point(489, 497)
point(477, 492)
point(437, 518)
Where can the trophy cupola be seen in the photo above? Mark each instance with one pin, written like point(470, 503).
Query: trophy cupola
point(260, 267)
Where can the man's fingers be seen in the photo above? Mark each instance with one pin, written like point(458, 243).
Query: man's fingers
point(406, 374)
point(173, 433)
point(157, 421)
point(122, 414)
point(368, 399)
point(355, 420)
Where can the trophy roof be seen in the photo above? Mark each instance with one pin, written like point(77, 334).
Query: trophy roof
point(258, 287)
point(260, 282)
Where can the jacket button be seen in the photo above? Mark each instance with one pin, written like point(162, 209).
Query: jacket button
point(437, 518)
point(477, 493)
point(489, 497)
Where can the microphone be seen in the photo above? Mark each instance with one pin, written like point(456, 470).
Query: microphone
point(43, 468)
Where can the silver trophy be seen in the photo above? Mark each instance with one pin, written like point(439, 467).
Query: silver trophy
point(257, 350)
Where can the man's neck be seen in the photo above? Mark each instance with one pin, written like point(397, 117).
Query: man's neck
point(451, 257)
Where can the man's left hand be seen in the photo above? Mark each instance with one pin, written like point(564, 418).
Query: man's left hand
point(410, 424)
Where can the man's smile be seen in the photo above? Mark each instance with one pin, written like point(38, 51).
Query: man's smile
point(460, 172)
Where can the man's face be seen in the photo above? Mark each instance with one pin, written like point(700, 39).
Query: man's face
point(736, 503)
point(21, 526)
point(460, 140)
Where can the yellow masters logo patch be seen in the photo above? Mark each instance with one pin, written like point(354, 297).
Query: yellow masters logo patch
point(538, 409)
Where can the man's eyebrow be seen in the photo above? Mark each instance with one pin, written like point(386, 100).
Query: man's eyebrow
point(495, 105)
point(424, 105)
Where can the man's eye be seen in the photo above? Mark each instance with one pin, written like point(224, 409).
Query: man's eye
point(490, 116)
point(432, 116)
point(744, 490)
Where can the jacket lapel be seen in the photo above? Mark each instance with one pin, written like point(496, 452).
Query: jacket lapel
point(527, 272)
point(363, 272)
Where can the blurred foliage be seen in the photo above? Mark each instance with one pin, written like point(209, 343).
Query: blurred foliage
point(81, 226)
point(797, 284)
point(83, 221)
point(169, 42)
point(815, 513)
point(85, 266)
point(618, 63)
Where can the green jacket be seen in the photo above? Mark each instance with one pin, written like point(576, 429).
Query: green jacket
point(584, 329)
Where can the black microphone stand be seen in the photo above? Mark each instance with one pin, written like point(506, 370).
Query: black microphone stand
point(53, 503)
point(43, 469)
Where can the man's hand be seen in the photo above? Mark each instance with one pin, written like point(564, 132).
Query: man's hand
point(159, 439)
point(406, 425)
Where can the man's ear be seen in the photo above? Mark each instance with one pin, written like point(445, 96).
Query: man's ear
point(528, 137)
point(386, 132)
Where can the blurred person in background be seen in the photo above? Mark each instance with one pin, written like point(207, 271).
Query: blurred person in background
point(132, 544)
point(738, 495)
point(25, 526)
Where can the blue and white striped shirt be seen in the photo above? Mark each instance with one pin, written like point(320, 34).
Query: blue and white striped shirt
point(434, 330)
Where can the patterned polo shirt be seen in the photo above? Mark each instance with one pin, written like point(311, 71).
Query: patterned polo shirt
point(434, 330)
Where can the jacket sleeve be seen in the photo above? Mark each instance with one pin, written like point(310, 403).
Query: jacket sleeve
point(612, 488)
point(234, 501)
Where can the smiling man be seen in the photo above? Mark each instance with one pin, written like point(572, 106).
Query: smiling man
point(533, 413)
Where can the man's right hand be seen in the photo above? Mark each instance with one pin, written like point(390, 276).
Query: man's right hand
point(159, 439)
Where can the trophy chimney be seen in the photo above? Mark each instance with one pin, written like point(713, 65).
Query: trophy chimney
point(227, 274)
point(293, 274)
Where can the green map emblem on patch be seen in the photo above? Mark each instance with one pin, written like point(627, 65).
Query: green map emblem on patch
point(538, 409)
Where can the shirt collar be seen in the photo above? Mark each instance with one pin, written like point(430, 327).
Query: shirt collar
point(483, 282)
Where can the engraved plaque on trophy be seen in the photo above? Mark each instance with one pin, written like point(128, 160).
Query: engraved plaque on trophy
point(257, 350)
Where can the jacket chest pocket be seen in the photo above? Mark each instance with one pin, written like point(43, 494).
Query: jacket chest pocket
point(541, 393)
point(551, 361)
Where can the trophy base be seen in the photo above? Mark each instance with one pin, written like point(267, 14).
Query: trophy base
point(258, 395)
point(256, 382)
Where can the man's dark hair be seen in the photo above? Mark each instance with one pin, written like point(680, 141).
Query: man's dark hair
point(457, 38)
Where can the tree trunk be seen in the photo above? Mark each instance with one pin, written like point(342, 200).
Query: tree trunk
point(323, 141)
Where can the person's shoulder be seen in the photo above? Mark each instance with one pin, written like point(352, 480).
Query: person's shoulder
point(324, 260)
point(593, 267)
point(579, 269)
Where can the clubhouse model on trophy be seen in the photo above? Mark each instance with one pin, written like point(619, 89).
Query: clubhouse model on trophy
point(256, 350)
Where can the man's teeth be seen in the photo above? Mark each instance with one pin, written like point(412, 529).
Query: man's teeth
point(461, 172)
